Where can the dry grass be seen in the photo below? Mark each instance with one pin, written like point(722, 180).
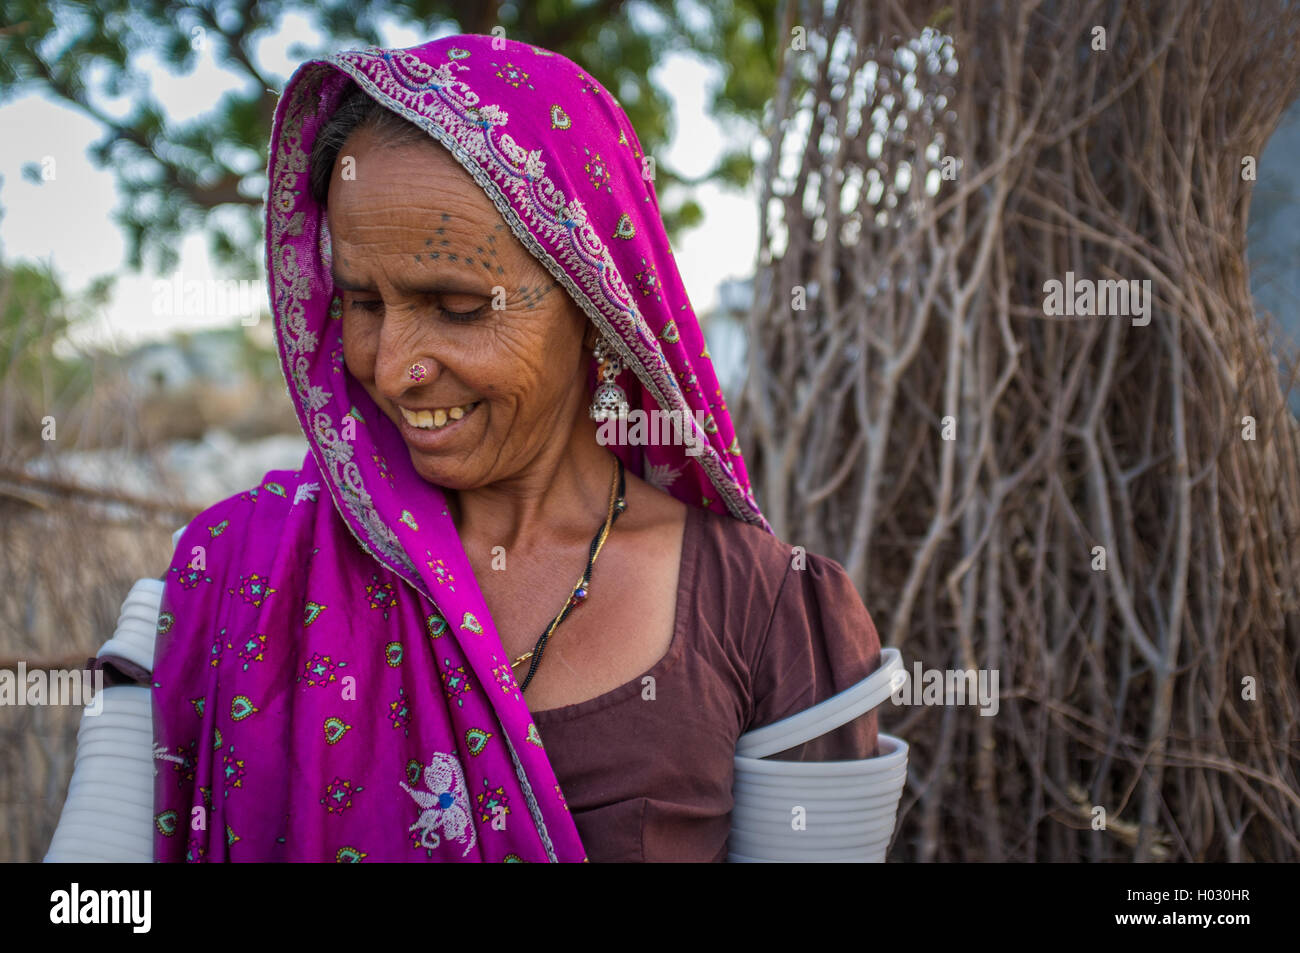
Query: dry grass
point(66, 571)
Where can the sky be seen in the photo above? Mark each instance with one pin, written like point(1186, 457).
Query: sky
point(67, 220)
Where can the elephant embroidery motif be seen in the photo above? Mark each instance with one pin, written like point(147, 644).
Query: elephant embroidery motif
point(444, 806)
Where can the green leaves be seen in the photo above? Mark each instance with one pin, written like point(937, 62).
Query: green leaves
point(209, 172)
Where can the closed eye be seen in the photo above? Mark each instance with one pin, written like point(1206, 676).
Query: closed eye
point(462, 317)
point(376, 305)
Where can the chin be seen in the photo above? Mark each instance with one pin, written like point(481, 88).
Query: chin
point(447, 477)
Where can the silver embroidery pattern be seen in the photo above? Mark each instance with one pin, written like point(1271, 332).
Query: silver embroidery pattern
point(291, 290)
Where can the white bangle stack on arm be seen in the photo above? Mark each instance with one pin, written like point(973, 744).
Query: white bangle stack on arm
point(108, 813)
point(819, 811)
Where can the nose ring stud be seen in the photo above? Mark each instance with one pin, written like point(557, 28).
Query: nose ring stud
point(417, 372)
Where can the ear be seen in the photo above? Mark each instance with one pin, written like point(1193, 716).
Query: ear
point(590, 337)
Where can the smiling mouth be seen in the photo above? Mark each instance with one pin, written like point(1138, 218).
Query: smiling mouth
point(438, 418)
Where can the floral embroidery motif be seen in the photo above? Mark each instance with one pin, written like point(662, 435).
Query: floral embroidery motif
point(382, 596)
point(440, 571)
point(625, 228)
point(311, 612)
point(437, 625)
point(393, 654)
point(218, 649)
point(444, 805)
point(559, 118)
point(190, 577)
point(241, 707)
point(454, 682)
point(232, 769)
point(513, 75)
point(597, 170)
point(471, 624)
point(183, 761)
point(399, 712)
point(502, 674)
point(647, 281)
point(491, 802)
point(338, 795)
point(253, 589)
point(381, 466)
point(320, 670)
point(350, 855)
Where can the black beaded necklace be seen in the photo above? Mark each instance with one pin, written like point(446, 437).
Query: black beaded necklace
point(617, 504)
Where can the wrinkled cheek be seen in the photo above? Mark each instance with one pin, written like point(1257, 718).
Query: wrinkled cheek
point(360, 349)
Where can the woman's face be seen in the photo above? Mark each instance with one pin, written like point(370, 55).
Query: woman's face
point(428, 273)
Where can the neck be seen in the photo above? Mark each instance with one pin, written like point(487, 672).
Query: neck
point(564, 492)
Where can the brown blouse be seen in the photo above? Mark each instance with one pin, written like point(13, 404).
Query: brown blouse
point(759, 635)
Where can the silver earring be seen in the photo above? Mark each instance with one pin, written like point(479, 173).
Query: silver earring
point(609, 399)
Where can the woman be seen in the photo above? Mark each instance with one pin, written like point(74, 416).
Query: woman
point(384, 655)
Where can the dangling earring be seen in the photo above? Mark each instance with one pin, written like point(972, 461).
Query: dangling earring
point(609, 399)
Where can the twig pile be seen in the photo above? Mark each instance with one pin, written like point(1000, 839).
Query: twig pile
point(964, 453)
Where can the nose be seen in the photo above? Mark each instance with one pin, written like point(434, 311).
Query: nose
point(403, 361)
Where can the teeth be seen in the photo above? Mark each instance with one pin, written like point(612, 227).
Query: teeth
point(435, 419)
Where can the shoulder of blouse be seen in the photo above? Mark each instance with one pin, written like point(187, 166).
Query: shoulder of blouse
point(806, 634)
point(781, 582)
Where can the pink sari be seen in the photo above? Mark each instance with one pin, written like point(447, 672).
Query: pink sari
point(329, 685)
